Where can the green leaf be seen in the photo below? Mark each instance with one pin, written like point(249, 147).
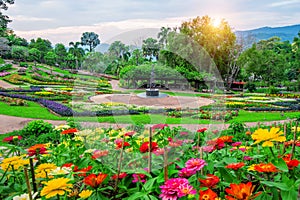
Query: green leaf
point(137, 195)
point(281, 186)
point(281, 165)
point(292, 194)
point(264, 196)
point(148, 185)
point(227, 176)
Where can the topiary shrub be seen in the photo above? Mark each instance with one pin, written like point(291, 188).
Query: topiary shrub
point(37, 128)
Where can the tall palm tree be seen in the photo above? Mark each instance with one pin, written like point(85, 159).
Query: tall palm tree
point(77, 52)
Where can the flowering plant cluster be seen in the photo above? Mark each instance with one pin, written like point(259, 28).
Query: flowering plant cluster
point(158, 163)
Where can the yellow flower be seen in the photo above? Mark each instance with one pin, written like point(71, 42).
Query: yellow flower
point(85, 193)
point(44, 169)
point(294, 129)
point(55, 187)
point(15, 162)
point(268, 137)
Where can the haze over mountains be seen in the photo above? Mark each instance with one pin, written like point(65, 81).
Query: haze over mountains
point(286, 33)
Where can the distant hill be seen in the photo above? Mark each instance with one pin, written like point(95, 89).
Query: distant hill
point(286, 33)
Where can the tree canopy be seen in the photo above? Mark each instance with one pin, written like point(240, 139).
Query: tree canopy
point(90, 39)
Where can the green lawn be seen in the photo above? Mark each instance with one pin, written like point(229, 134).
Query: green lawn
point(33, 110)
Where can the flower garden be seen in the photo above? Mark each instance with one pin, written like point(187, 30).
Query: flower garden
point(70, 162)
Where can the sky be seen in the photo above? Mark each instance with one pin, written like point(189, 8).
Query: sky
point(131, 21)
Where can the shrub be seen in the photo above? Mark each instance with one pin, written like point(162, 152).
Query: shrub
point(23, 64)
point(5, 67)
point(250, 86)
point(37, 128)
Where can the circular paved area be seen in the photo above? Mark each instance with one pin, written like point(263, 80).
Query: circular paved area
point(165, 102)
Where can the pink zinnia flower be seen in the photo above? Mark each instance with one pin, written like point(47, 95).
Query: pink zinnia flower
point(236, 144)
point(208, 149)
point(175, 188)
point(159, 126)
point(139, 178)
point(185, 173)
point(99, 153)
point(247, 158)
point(195, 164)
point(159, 151)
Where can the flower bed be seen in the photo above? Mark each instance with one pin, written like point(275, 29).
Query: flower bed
point(167, 164)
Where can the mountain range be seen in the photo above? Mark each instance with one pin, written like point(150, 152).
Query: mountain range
point(286, 33)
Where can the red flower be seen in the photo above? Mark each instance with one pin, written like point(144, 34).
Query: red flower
point(201, 130)
point(119, 144)
point(94, 180)
point(131, 133)
point(235, 166)
point(240, 191)
point(207, 195)
point(211, 181)
point(120, 176)
point(159, 126)
point(67, 165)
point(69, 131)
point(290, 163)
point(145, 147)
point(37, 149)
point(12, 138)
point(83, 171)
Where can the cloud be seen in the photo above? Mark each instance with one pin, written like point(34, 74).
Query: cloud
point(284, 3)
point(22, 18)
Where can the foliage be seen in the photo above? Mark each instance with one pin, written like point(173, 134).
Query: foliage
point(250, 86)
point(37, 128)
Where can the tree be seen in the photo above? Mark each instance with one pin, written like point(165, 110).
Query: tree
point(4, 19)
point(43, 45)
point(19, 52)
point(90, 39)
point(162, 36)
point(34, 55)
point(216, 40)
point(4, 46)
point(77, 52)
point(61, 53)
point(120, 55)
point(94, 62)
point(50, 58)
point(150, 48)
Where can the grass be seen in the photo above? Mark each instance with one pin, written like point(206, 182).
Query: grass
point(33, 110)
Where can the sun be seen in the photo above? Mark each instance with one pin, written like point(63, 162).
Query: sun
point(216, 22)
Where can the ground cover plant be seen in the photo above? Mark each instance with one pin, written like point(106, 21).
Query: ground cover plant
point(68, 162)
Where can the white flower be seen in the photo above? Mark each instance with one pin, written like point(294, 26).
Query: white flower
point(24, 196)
point(84, 133)
point(62, 127)
point(61, 170)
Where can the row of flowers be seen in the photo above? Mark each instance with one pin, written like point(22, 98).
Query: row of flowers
point(157, 163)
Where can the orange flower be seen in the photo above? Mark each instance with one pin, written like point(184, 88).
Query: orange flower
point(94, 180)
point(248, 133)
point(235, 166)
point(262, 167)
point(37, 149)
point(226, 139)
point(69, 131)
point(241, 191)
point(83, 171)
point(211, 181)
point(207, 195)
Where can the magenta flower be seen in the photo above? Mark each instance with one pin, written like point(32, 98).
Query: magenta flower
point(139, 178)
point(236, 144)
point(185, 173)
point(247, 158)
point(159, 126)
point(175, 188)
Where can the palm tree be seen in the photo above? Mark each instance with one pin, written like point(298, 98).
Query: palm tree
point(77, 52)
point(163, 35)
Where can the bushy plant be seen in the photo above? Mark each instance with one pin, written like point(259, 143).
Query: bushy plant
point(37, 128)
point(250, 86)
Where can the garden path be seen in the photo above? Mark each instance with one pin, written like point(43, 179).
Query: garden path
point(11, 123)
